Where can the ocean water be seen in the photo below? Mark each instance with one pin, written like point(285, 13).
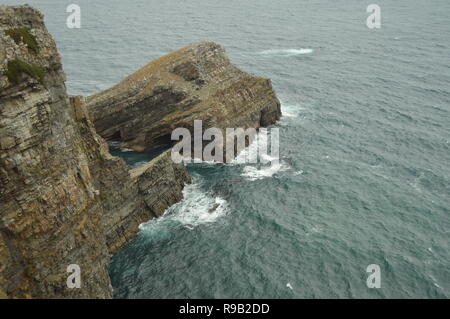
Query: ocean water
point(364, 176)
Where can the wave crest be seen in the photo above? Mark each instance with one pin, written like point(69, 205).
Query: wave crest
point(196, 208)
point(287, 52)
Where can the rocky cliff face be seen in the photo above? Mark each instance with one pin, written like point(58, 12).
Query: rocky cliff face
point(63, 198)
point(197, 82)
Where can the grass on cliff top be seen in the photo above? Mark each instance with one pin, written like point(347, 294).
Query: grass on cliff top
point(23, 35)
point(16, 67)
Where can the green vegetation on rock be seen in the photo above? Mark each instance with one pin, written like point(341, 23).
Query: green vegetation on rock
point(16, 67)
point(2, 294)
point(23, 35)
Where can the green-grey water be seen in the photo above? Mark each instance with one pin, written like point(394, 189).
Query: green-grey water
point(364, 142)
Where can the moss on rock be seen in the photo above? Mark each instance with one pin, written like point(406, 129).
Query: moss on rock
point(23, 35)
point(2, 294)
point(16, 67)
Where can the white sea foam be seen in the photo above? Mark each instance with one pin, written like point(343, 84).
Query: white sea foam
point(291, 110)
point(287, 52)
point(114, 143)
point(126, 150)
point(254, 173)
point(250, 151)
point(267, 165)
point(196, 208)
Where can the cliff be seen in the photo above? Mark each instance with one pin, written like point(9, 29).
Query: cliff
point(197, 82)
point(63, 198)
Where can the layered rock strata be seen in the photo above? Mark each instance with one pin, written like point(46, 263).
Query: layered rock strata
point(197, 82)
point(64, 199)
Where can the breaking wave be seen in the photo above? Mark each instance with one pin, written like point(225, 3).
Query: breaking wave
point(253, 173)
point(291, 110)
point(196, 208)
point(267, 165)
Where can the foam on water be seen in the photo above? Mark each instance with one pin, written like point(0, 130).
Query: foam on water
point(267, 165)
point(254, 173)
point(287, 52)
point(197, 207)
point(291, 110)
point(114, 144)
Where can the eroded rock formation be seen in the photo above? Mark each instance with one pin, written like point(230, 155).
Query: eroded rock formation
point(197, 82)
point(63, 198)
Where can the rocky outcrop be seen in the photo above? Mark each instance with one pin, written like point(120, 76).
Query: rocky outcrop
point(197, 82)
point(63, 198)
point(144, 193)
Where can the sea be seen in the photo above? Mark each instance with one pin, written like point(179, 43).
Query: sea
point(364, 171)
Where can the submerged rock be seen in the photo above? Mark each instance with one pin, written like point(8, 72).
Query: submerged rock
point(213, 208)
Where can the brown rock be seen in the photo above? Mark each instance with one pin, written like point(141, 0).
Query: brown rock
point(197, 82)
point(63, 198)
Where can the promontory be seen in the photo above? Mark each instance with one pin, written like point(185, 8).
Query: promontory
point(64, 199)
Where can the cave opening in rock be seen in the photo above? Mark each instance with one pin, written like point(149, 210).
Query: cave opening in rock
point(135, 159)
point(163, 142)
point(116, 136)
